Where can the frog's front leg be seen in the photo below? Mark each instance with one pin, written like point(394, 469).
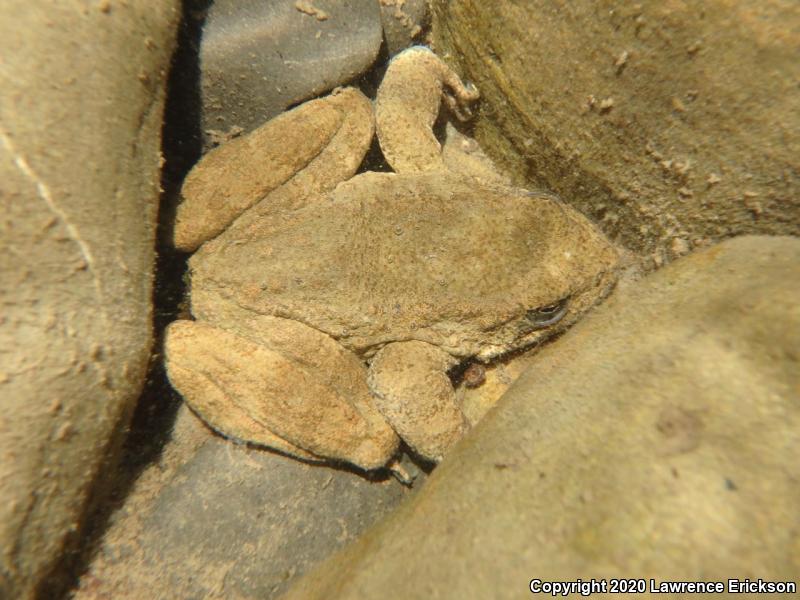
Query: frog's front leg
point(411, 388)
point(407, 106)
point(281, 384)
point(300, 154)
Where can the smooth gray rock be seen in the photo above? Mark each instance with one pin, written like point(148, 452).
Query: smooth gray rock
point(259, 57)
point(658, 438)
point(219, 520)
point(404, 23)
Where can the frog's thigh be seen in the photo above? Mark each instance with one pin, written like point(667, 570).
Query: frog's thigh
point(310, 149)
point(407, 105)
point(410, 383)
point(251, 391)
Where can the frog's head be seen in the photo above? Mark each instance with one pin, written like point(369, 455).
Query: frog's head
point(568, 267)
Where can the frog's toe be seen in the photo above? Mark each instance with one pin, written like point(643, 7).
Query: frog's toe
point(411, 388)
point(252, 392)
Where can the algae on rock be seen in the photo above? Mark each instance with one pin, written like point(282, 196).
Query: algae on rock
point(672, 125)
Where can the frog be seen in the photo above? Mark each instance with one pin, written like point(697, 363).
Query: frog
point(331, 308)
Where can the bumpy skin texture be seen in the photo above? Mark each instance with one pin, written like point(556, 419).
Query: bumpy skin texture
point(433, 257)
point(309, 150)
point(249, 366)
point(423, 267)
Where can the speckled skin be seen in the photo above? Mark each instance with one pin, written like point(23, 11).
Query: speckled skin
point(413, 270)
point(433, 257)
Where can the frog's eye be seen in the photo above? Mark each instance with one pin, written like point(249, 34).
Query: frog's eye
point(544, 316)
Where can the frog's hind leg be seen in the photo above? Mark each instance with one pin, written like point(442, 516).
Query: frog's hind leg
point(300, 154)
point(407, 106)
point(413, 392)
point(281, 384)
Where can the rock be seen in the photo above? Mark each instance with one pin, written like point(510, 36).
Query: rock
point(80, 124)
point(259, 57)
point(659, 121)
point(219, 520)
point(404, 23)
point(657, 438)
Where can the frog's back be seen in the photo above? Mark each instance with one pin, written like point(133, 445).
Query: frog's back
point(390, 257)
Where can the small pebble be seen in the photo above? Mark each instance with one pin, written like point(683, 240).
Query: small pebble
point(475, 375)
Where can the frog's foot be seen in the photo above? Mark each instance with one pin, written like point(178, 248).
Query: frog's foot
point(287, 386)
point(400, 473)
point(407, 106)
point(411, 388)
point(300, 154)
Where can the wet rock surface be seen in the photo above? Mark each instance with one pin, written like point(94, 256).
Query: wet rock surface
point(671, 125)
point(657, 438)
point(257, 58)
point(218, 520)
point(80, 132)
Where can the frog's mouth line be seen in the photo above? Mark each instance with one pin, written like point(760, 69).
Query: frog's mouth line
point(547, 323)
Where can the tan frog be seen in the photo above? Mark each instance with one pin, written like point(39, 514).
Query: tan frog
point(305, 275)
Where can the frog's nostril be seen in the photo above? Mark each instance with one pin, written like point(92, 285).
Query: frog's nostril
point(545, 316)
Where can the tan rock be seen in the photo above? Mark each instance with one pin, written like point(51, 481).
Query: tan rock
point(80, 124)
point(658, 120)
point(657, 438)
